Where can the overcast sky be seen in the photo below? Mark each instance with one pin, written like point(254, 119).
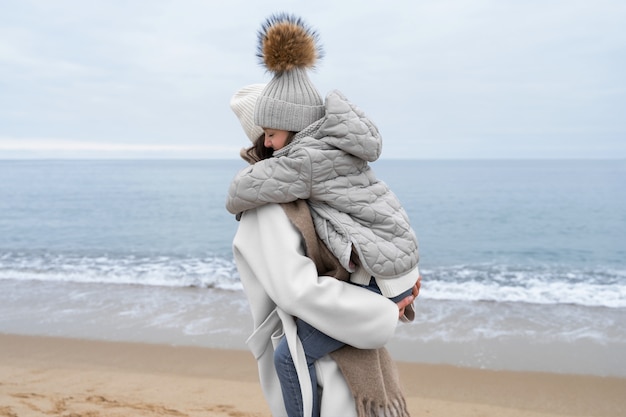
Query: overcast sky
point(441, 79)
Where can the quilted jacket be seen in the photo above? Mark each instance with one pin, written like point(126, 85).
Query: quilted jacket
point(327, 164)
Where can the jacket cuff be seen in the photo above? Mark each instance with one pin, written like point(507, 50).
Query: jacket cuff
point(391, 287)
point(360, 276)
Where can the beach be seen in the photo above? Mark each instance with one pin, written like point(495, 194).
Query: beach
point(119, 295)
point(49, 376)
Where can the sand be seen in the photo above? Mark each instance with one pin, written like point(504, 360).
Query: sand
point(46, 376)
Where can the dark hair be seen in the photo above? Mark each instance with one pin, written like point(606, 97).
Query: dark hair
point(290, 137)
point(259, 148)
point(263, 152)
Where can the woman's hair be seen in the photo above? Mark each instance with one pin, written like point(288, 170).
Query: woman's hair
point(262, 152)
point(259, 147)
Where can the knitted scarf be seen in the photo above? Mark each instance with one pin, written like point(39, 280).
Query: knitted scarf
point(371, 374)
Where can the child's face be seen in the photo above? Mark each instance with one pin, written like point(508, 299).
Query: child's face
point(275, 139)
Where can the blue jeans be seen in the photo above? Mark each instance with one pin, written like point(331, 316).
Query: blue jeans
point(316, 345)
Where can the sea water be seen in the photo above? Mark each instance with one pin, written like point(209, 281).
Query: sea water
point(523, 262)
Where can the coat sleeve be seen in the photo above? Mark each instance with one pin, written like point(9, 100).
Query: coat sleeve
point(275, 180)
point(268, 247)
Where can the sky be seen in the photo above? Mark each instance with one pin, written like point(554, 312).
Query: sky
point(442, 79)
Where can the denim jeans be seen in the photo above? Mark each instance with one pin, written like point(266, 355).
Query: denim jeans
point(316, 345)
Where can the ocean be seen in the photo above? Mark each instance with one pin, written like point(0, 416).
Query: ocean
point(523, 261)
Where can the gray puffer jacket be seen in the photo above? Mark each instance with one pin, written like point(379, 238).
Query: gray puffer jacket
point(327, 164)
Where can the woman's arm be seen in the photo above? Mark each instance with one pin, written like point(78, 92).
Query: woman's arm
point(268, 250)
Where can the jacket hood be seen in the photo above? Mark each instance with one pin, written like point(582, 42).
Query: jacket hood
point(346, 127)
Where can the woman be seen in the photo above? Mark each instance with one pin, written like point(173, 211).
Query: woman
point(281, 282)
point(284, 276)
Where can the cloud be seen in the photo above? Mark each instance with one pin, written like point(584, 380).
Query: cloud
point(67, 148)
point(50, 144)
point(435, 76)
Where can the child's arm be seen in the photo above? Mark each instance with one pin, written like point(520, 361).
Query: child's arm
point(274, 180)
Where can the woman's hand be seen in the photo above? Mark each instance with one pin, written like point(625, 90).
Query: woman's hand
point(402, 304)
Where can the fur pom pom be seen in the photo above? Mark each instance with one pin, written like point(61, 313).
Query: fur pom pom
point(286, 42)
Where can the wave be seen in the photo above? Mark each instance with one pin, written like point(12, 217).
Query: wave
point(168, 271)
point(537, 284)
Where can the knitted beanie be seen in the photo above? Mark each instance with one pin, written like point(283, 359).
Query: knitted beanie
point(242, 104)
point(290, 101)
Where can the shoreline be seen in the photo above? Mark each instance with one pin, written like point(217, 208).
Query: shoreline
point(42, 375)
point(567, 339)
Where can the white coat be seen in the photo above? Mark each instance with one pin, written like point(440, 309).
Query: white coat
point(281, 282)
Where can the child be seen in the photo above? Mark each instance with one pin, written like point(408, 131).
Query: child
point(320, 153)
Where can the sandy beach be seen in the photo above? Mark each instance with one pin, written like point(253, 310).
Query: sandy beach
point(46, 376)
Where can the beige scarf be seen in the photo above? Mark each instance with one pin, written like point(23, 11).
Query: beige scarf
point(371, 373)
